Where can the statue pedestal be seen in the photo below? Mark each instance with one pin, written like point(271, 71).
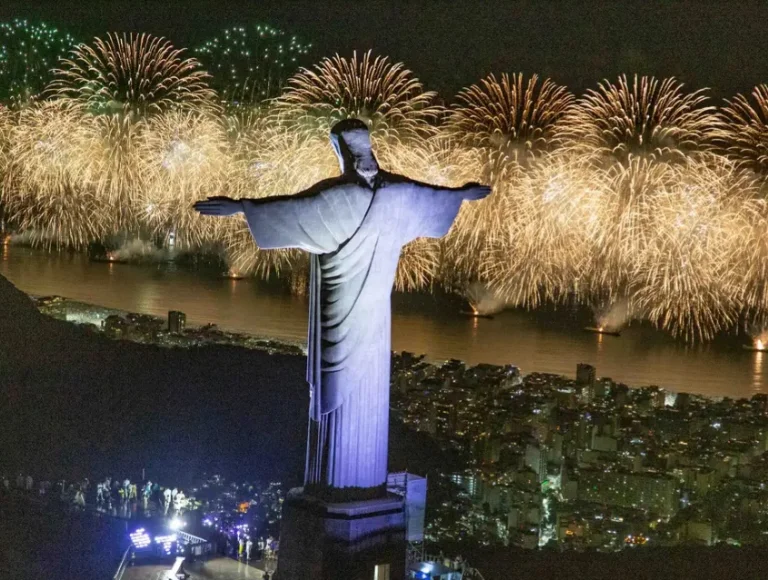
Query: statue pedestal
point(350, 541)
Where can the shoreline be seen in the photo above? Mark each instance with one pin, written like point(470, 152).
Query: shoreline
point(548, 339)
point(61, 307)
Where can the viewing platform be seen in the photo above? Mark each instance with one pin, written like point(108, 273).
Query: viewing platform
point(214, 569)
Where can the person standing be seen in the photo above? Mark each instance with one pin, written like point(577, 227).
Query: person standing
point(166, 500)
point(145, 493)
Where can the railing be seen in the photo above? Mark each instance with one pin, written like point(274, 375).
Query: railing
point(123, 564)
point(197, 546)
point(189, 538)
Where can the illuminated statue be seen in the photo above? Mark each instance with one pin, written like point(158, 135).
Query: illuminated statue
point(354, 227)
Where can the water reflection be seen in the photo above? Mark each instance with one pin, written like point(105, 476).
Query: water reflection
point(420, 324)
point(757, 373)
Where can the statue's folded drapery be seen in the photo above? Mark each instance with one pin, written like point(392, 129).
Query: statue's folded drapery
point(355, 234)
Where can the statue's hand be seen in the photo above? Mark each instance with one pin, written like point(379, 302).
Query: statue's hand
point(219, 206)
point(474, 191)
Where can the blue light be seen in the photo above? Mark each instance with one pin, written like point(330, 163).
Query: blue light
point(140, 539)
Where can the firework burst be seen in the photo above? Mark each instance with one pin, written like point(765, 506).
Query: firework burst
point(548, 237)
point(498, 127)
point(386, 96)
point(185, 157)
point(744, 131)
point(47, 189)
point(624, 220)
point(518, 118)
point(688, 277)
point(646, 117)
point(135, 75)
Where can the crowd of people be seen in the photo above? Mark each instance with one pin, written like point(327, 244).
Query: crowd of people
point(113, 495)
point(234, 531)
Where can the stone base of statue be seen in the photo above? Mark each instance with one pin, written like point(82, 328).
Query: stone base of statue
point(341, 541)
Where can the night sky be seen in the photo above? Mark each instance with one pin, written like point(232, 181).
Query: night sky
point(720, 44)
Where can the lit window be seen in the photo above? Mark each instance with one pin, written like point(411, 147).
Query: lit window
point(381, 572)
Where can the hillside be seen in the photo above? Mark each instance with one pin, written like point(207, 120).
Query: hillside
point(73, 402)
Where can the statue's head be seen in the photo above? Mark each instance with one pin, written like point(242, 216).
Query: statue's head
point(352, 142)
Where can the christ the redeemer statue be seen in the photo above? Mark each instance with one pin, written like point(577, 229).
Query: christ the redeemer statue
point(354, 226)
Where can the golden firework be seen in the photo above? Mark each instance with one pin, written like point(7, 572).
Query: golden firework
point(185, 157)
point(48, 188)
point(133, 74)
point(688, 277)
point(646, 117)
point(550, 232)
point(386, 96)
point(518, 118)
point(744, 131)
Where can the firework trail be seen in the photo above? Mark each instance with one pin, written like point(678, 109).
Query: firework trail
point(614, 315)
point(502, 126)
point(744, 130)
point(517, 118)
point(646, 117)
point(138, 75)
point(47, 187)
point(386, 96)
point(482, 300)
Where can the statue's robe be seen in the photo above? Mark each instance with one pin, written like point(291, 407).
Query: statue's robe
point(354, 234)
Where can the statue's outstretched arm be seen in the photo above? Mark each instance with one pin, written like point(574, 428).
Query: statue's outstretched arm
point(432, 209)
point(469, 191)
point(474, 191)
point(222, 206)
point(317, 220)
point(219, 206)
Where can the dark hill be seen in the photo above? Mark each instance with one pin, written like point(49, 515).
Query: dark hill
point(73, 402)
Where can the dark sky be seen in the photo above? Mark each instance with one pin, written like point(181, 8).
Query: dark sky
point(720, 44)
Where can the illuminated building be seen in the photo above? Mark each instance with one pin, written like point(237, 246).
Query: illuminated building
point(649, 491)
point(470, 483)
